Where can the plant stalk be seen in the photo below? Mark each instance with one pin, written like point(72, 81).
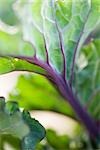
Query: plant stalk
point(67, 93)
point(83, 115)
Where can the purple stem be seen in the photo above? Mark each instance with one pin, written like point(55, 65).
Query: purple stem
point(46, 49)
point(60, 42)
point(85, 118)
point(75, 52)
point(67, 93)
point(73, 62)
point(62, 50)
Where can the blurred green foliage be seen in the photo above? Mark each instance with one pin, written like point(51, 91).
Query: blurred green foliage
point(34, 91)
point(87, 81)
point(7, 13)
point(53, 141)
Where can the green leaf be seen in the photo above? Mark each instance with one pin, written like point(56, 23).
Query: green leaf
point(60, 26)
point(55, 28)
point(58, 142)
point(13, 44)
point(12, 141)
point(14, 64)
point(87, 81)
point(41, 95)
point(16, 46)
point(20, 124)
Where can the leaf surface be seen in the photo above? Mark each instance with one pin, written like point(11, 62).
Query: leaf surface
point(58, 28)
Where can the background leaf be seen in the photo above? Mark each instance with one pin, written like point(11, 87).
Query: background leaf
point(40, 96)
point(7, 13)
point(88, 78)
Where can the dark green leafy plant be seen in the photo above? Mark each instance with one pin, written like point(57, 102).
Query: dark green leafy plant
point(55, 31)
point(19, 124)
